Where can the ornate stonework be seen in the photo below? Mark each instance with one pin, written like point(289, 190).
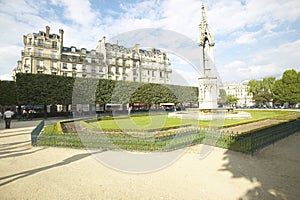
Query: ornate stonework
point(208, 81)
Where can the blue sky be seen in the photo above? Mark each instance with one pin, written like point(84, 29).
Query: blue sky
point(254, 39)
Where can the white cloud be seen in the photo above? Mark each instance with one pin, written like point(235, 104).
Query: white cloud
point(247, 38)
point(272, 62)
point(79, 11)
point(6, 77)
point(183, 77)
point(233, 23)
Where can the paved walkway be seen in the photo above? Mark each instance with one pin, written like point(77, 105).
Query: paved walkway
point(28, 172)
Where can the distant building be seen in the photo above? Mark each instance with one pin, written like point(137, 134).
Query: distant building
point(239, 90)
point(44, 53)
point(135, 64)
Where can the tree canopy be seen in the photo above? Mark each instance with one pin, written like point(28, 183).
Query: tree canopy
point(287, 89)
point(8, 95)
point(262, 90)
point(41, 89)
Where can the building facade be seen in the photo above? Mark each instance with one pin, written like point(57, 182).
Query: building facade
point(44, 53)
point(135, 64)
point(239, 90)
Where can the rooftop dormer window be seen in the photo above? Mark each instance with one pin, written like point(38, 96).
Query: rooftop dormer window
point(73, 49)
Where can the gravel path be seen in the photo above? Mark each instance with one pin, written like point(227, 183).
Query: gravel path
point(28, 172)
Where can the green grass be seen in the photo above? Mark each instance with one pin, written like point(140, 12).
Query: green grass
point(141, 123)
point(258, 115)
point(51, 135)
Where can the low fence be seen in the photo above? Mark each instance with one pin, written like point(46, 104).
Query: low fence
point(246, 143)
point(35, 133)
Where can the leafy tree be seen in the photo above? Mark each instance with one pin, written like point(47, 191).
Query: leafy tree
point(262, 90)
point(151, 93)
point(43, 89)
point(231, 99)
point(222, 97)
point(8, 95)
point(287, 89)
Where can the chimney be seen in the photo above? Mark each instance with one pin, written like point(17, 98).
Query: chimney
point(61, 33)
point(47, 31)
point(137, 47)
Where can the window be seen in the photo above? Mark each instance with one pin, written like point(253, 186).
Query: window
point(54, 65)
point(109, 69)
point(74, 59)
point(53, 54)
point(109, 77)
point(65, 74)
point(74, 66)
point(84, 75)
point(148, 72)
point(124, 71)
point(100, 69)
point(153, 73)
point(161, 74)
point(73, 49)
point(27, 63)
point(93, 69)
point(54, 45)
point(134, 79)
point(64, 58)
point(65, 66)
point(74, 74)
point(29, 52)
point(39, 72)
point(40, 52)
point(83, 67)
point(117, 78)
point(53, 73)
point(30, 41)
point(40, 63)
point(134, 72)
point(117, 70)
point(40, 42)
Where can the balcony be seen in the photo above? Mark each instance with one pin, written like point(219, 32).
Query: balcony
point(54, 69)
point(43, 45)
point(40, 67)
point(37, 54)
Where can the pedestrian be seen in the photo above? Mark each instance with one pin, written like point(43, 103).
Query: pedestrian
point(129, 110)
point(7, 117)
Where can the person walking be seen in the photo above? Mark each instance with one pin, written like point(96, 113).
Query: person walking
point(7, 117)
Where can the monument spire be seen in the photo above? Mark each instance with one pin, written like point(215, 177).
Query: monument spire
point(204, 33)
point(208, 80)
point(204, 21)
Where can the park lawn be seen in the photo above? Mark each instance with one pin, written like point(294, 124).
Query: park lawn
point(141, 123)
point(147, 122)
point(258, 115)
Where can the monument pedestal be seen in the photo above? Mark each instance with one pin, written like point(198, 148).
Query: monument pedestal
point(208, 93)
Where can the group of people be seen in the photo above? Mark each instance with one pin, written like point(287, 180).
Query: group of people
point(27, 114)
point(7, 115)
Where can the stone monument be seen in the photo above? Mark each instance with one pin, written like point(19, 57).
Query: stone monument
point(208, 87)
